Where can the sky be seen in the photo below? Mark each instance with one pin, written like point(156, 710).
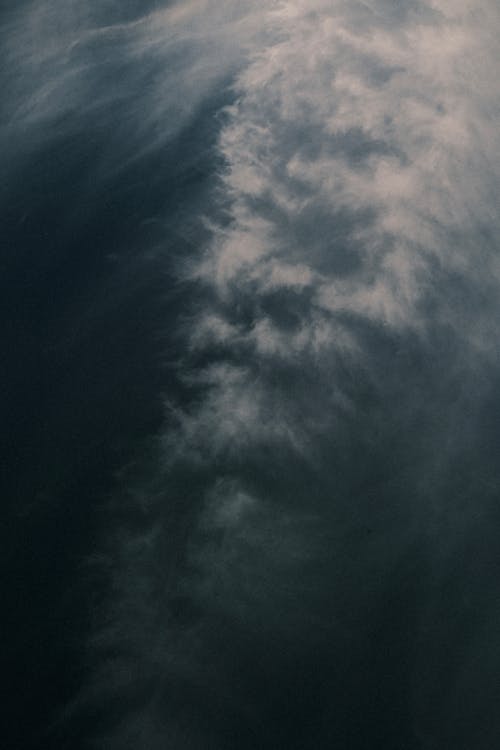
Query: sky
point(251, 412)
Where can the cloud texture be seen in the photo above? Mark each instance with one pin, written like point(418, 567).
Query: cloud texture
point(304, 562)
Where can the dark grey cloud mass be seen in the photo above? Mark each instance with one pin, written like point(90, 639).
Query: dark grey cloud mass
point(253, 407)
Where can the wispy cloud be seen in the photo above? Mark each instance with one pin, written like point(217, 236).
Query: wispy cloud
point(337, 359)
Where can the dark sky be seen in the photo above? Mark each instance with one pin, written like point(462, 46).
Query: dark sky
point(250, 381)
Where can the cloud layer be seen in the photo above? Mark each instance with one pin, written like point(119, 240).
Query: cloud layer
point(304, 564)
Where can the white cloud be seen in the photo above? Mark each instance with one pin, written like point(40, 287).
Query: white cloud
point(361, 145)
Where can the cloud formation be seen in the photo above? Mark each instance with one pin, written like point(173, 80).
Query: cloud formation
point(277, 580)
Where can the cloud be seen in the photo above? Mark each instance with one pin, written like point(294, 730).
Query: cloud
point(145, 69)
point(329, 449)
point(405, 96)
